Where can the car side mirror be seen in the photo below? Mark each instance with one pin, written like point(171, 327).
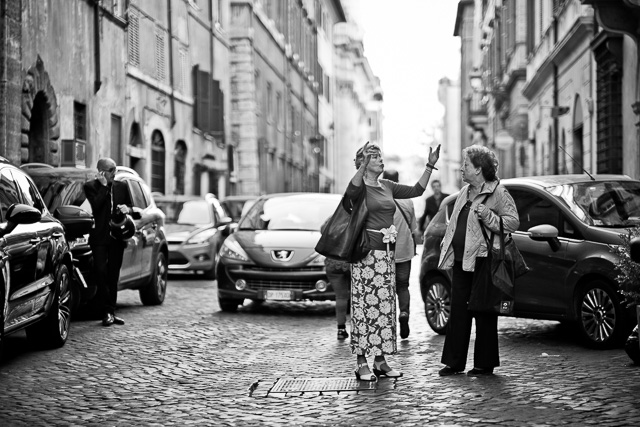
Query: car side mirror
point(224, 221)
point(634, 249)
point(136, 213)
point(545, 232)
point(19, 213)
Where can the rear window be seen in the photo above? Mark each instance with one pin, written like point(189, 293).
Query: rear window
point(60, 190)
point(192, 212)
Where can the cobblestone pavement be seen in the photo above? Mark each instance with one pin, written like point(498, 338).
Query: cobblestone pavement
point(187, 363)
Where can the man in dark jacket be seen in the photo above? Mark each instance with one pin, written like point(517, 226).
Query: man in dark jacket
point(108, 199)
point(432, 205)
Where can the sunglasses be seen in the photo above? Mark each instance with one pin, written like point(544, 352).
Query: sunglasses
point(110, 170)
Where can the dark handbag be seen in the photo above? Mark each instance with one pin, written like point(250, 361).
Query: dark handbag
point(122, 227)
point(344, 237)
point(492, 289)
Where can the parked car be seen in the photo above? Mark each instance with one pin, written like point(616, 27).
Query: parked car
point(36, 269)
point(195, 227)
point(145, 258)
point(567, 223)
point(271, 254)
point(237, 206)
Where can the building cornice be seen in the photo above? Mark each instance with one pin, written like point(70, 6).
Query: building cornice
point(578, 33)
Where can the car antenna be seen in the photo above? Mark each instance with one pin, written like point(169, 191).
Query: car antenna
point(583, 169)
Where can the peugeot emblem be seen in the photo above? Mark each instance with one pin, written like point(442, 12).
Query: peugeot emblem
point(281, 255)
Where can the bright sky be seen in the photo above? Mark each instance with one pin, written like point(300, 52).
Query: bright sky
point(410, 46)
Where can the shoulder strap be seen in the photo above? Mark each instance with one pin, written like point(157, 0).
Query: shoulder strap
point(403, 215)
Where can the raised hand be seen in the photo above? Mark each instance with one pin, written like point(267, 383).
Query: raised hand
point(367, 155)
point(100, 177)
point(434, 155)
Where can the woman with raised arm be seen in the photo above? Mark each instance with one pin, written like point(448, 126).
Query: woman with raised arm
point(373, 295)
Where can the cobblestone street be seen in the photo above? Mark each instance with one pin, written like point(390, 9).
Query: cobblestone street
point(187, 363)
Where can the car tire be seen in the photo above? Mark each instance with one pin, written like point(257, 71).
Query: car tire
point(229, 305)
point(155, 291)
point(53, 330)
point(600, 316)
point(437, 303)
point(211, 273)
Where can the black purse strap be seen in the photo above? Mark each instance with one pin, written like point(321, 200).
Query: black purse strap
point(403, 215)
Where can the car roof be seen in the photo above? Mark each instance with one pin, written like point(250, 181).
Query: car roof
point(545, 181)
point(76, 174)
point(298, 194)
point(180, 197)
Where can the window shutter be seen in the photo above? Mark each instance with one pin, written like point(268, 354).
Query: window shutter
point(134, 39)
point(202, 94)
point(218, 109)
point(161, 62)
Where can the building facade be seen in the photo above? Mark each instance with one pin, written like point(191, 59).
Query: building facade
point(449, 136)
point(135, 81)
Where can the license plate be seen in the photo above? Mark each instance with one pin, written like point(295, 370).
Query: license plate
point(278, 295)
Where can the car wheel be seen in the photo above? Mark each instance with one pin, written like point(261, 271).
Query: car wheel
point(600, 315)
point(437, 303)
point(53, 330)
point(229, 305)
point(154, 292)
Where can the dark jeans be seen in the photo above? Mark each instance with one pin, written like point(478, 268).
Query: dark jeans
point(107, 260)
point(456, 344)
point(403, 271)
point(341, 284)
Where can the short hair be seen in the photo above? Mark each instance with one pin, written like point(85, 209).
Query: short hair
point(435, 181)
point(483, 158)
point(105, 163)
point(360, 154)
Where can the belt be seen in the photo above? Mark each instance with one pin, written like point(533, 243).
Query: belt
point(388, 234)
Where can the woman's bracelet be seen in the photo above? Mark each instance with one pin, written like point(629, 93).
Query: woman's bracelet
point(430, 166)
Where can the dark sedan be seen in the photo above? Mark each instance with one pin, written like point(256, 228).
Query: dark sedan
point(271, 255)
point(567, 223)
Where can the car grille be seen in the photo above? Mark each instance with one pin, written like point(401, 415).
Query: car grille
point(283, 269)
point(260, 285)
point(177, 258)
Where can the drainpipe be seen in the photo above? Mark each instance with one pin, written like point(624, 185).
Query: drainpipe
point(171, 96)
point(96, 44)
point(556, 121)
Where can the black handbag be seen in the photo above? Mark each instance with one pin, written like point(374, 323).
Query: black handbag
point(344, 237)
point(494, 276)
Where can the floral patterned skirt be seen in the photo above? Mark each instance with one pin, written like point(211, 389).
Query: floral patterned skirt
point(373, 304)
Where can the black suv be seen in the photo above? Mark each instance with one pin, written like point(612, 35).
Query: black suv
point(145, 257)
point(36, 279)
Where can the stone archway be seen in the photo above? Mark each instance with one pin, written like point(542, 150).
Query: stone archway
point(40, 129)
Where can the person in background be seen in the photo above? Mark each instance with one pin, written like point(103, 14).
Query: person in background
point(339, 275)
point(405, 221)
point(481, 203)
point(432, 205)
point(373, 291)
point(108, 198)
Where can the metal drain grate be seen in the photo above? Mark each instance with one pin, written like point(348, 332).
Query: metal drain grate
point(289, 385)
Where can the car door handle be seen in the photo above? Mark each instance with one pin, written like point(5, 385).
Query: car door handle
point(57, 235)
point(36, 240)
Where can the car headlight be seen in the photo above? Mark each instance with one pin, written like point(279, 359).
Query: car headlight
point(232, 249)
point(201, 237)
point(317, 261)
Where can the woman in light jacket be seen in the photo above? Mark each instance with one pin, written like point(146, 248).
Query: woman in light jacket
point(482, 202)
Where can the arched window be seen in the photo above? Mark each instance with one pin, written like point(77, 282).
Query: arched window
point(157, 162)
point(179, 167)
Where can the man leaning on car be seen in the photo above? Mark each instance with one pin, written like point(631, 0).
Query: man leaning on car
point(107, 197)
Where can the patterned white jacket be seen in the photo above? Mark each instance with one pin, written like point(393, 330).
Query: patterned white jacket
point(500, 203)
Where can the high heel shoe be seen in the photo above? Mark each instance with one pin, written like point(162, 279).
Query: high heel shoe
point(389, 373)
point(364, 377)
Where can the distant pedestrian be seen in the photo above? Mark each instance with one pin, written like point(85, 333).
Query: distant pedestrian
point(108, 199)
point(373, 293)
point(339, 275)
point(405, 221)
point(481, 203)
point(432, 205)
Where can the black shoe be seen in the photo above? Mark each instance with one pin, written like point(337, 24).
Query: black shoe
point(108, 319)
point(480, 371)
point(342, 334)
point(404, 325)
point(447, 370)
point(117, 320)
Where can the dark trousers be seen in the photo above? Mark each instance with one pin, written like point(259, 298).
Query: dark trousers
point(456, 343)
point(341, 284)
point(403, 271)
point(107, 260)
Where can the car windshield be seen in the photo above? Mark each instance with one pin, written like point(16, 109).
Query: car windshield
point(302, 212)
point(604, 203)
point(192, 212)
